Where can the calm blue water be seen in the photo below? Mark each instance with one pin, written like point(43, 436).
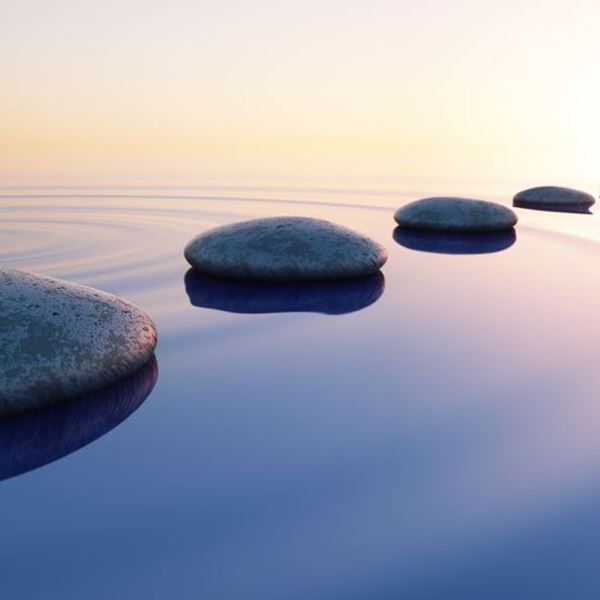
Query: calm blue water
point(432, 434)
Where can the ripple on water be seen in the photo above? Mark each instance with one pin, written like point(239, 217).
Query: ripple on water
point(472, 379)
point(130, 245)
point(105, 242)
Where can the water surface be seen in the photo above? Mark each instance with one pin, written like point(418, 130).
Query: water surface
point(437, 436)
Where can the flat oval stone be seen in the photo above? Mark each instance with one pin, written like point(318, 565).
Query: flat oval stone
point(59, 340)
point(455, 214)
point(285, 249)
point(553, 197)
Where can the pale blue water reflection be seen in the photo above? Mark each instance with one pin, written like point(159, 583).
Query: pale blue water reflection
point(32, 439)
point(327, 297)
point(561, 208)
point(443, 442)
point(455, 243)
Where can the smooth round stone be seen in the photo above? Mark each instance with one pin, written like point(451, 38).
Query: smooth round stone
point(285, 249)
point(553, 197)
point(59, 340)
point(455, 214)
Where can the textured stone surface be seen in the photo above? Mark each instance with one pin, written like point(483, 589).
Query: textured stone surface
point(256, 297)
point(552, 197)
point(59, 340)
point(285, 249)
point(455, 214)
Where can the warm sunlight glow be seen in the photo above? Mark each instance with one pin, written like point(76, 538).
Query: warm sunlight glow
point(467, 90)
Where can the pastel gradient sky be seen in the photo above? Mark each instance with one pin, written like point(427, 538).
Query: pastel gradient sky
point(375, 90)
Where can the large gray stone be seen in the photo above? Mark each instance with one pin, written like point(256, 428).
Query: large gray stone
point(285, 249)
point(59, 340)
point(553, 197)
point(455, 214)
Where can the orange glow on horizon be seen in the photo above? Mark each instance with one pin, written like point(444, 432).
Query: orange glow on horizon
point(395, 90)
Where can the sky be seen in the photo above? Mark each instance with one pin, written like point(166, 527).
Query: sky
point(377, 91)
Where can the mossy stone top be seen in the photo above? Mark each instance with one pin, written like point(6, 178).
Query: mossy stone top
point(553, 196)
point(455, 214)
point(59, 340)
point(285, 249)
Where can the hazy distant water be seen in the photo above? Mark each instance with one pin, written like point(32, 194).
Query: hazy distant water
point(443, 442)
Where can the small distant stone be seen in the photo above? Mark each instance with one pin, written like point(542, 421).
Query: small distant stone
point(455, 214)
point(285, 249)
point(553, 197)
point(59, 340)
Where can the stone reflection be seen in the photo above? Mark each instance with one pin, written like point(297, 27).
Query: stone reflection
point(455, 243)
point(327, 297)
point(563, 208)
point(30, 440)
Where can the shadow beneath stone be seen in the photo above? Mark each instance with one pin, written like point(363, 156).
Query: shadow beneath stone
point(30, 440)
point(563, 208)
point(455, 243)
point(327, 297)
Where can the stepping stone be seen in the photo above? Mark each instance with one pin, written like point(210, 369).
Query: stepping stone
point(59, 340)
point(554, 198)
point(285, 249)
point(455, 214)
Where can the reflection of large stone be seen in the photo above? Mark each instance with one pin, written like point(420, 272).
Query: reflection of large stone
point(285, 249)
point(328, 297)
point(444, 242)
point(554, 198)
point(35, 438)
point(455, 214)
point(59, 340)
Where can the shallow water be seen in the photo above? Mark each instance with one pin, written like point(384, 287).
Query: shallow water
point(433, 435)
